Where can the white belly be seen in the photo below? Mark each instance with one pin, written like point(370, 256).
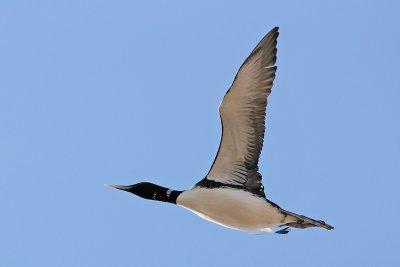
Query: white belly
point(232, 208)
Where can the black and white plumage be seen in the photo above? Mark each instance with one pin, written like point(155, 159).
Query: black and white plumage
point(232, 193)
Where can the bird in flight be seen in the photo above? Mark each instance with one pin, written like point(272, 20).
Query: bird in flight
point(232, 194)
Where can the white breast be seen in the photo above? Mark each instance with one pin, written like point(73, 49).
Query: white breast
point(232, 208)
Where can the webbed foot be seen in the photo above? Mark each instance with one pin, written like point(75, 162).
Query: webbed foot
point(283, 231)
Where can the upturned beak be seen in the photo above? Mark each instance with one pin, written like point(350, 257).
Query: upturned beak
point(120, 187)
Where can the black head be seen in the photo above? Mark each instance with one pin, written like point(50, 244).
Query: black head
point(150, 191)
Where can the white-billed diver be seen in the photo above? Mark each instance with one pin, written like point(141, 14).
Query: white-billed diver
point(232, 193)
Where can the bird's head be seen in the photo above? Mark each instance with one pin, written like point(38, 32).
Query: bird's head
point(145, 190)
point(150, 191)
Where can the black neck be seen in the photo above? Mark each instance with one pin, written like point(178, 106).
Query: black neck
point(154, 192)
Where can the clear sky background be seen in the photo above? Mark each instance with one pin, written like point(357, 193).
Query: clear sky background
point(95, 92)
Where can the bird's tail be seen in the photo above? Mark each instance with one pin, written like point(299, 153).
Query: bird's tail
point(301, 221)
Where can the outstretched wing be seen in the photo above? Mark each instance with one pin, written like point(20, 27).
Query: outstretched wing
point(242, 113)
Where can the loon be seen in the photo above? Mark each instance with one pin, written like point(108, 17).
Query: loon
point(232, 194)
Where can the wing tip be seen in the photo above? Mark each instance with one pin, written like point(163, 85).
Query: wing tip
point(275, 31)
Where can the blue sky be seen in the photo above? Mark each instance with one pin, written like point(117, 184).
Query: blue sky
point(95, 92)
